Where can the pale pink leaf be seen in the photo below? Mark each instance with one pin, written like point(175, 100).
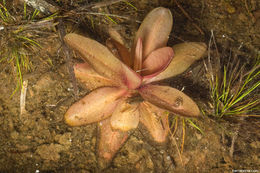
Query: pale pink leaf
point(110, 141)
point(130, 78)
point(138, 55)
point(155, 120)
point(185, 54)
point(96, 106)
point(90, 78)
point(154, 30)
point(170, 99)
point(126, 116)
point(102, 60)
point(157, 61)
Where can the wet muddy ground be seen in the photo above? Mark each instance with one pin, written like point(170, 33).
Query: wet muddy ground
point(39, 140)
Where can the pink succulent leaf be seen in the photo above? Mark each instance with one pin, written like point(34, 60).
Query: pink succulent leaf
point(120, 51)
point(185, 54)
point(154, 30)
point(170, 99)
point(102, 60)
point(131, 79)
point(96, 106)
point(95, 54)
point(155, 120)
point(90, 78)
point(157, 61)
point(138, 58)
point(110, 140)
point(126, 116)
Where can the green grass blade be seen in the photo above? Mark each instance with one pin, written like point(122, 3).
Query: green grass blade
point(24, 10)
point(3, 59)
point(224, 83)
point(238, 95)
point(194, 125)
point(248, 91)
point(19, 69)
point(30, 41)
point(128, 3)
point(243, 107)
point(35, 14)
point(51, 17)
point(2, 16)
point(110, 19)
point(18, 72)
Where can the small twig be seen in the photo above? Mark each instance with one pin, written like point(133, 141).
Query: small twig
point(42, 6)
point(67, 54)
point(98, 5)
point(252, 70)
point(183, 135)
point(23, 97)
point(111, 15)
point(217, 67)
point(189, 18)
point(248, 115)
point(179, 153)
point(33, 25)
point(249, 12)
point(223, 137)
point(105, 3)
point(234, 138)
point(208, 67)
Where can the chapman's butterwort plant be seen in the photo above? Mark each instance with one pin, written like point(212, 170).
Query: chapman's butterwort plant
point(123, 86)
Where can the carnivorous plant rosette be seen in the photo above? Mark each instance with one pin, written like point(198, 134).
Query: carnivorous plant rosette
point(123, 93)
